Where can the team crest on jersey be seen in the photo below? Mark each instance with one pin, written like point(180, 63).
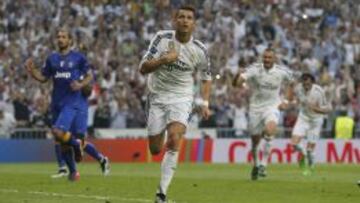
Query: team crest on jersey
point(62, 64)
point(70, 64)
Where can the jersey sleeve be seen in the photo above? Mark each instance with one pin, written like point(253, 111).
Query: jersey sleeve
point(84, 65)
point(250, 72)
point(205, 65)
point(289, 76)
point(46, 69)
point(153, 49)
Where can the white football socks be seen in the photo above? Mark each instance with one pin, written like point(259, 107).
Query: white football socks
point(168, 167)
point(300, 148)
point(267, 151)
point(311, 158)
point(255, 155)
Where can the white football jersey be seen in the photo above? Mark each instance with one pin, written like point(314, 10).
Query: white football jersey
point(316, 95)
point(265, 85)
point(176, 77)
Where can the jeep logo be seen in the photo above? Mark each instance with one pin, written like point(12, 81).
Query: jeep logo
point(65, 75)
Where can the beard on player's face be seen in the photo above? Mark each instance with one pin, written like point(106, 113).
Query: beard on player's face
point(63, 40)
point(268, 63)
point(63, 45)
point(268, 60)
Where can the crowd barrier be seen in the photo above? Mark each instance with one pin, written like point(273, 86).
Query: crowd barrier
point(192, 150)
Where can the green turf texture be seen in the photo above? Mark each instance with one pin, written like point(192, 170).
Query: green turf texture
point(193, 183)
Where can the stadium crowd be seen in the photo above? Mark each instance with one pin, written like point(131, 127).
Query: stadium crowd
point(317, 36)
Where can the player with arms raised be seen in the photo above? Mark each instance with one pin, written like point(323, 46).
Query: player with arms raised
point(313, 106)
point(70, 73)
point(265, 81)
point(170, 61)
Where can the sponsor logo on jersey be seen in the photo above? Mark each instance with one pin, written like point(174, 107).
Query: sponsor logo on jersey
point(178, 65)
point(268, 86)
point(65, 75)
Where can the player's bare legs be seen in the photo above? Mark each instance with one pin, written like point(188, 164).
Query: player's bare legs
point(65, 138)
point(156, 143)
point(269, 134)
point(175, 132)
point(270, 129)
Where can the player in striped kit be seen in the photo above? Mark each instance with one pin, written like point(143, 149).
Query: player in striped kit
point(170, 61)
point(265, 81)
point(313, 106)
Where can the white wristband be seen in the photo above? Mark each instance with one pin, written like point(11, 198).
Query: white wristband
point(205, 103)
point(201, 102)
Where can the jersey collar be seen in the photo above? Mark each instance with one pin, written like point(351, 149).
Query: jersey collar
point(177, 41)
point(268, 71)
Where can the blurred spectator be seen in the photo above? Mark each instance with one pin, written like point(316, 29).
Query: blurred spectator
point(7, 124)
point(21, 107)
point(119, 113)
point(289, 122)
point(102, 117)
point(239, 116)
point(318, 36)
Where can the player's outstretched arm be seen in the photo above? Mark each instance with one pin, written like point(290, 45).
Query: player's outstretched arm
point(34, 72)
point(152, 65)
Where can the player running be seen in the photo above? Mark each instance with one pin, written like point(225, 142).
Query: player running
point(88, 147)
point(313, 106)
point(68, 106)
point(170, 61)
point(265, 81)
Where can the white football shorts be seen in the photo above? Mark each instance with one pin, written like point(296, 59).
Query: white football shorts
point(258, 120)
point(165, 109)
point(308, 128)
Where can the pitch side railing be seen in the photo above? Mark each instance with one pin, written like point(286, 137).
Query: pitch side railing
point(42, 133)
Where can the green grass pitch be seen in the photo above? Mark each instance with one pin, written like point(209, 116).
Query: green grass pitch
point(193, 183)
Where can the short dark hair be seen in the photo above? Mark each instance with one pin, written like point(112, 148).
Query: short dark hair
point(188, 8)
point(269, 49)
point(66, 30)
point(306, 76)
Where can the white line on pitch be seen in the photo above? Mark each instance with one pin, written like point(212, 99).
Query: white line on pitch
point(54, 194)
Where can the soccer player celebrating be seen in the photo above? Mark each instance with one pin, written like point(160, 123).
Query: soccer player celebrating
point(69, 106)
point(313, 106)
point(265, 81)
point(170, 61)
